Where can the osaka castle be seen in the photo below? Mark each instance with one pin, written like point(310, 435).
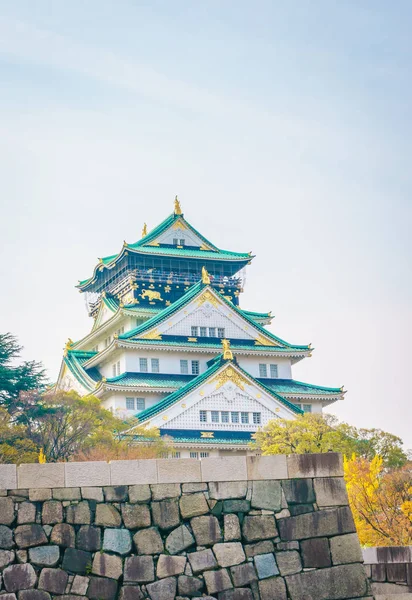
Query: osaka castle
point(172, 345)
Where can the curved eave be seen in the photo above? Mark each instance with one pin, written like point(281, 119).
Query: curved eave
point(79, 372)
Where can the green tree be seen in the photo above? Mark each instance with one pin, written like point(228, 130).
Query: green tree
point(15, 446)
point(17, 379)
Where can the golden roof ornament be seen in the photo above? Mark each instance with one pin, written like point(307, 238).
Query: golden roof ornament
point(144, 230)
point(205, 276)
point(227, 353)
point(178, 209)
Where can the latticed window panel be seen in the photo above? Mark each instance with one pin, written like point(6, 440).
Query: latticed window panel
point(207, 316)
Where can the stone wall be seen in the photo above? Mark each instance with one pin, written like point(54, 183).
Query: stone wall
point(390, 572)
point(241, 528)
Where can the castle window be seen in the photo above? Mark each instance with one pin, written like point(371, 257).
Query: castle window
point(140, 404)
point(212, 331)
point(204, 455)
point(203, 332)
point(263, 371)
point(195, 367)
point(215, 416)
point(257, 418)
point(225, 416)
point(245, 417)
point(194, 455)
point(273, 371)
point(307, 408)
point(221, 332)
point(95, 349)
point(234, 417)
point(182, 242)
point(175, 454)
point(184, 367)
point(175, 242)
point(130, 403)
point(194, 331)
point(203, 416)
point(143, 365)
point(155, 365)
point(116, 369)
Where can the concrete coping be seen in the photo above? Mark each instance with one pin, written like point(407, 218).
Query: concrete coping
point(182, 470)
point(387, 555)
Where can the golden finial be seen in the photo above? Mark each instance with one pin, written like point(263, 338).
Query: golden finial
point(205, 276)
point(69, 344)
point(144, 230)
point(103, 380)
point(178, 209)
point(227, 353)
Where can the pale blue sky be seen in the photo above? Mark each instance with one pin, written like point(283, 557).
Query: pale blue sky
point(283, 126)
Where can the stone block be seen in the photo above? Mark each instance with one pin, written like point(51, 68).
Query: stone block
point(390, 591)
point(80, 585)
point(130, 472)
point(236, 594)
point(265, 565)
point(136, 516)
point(131, 592)
point(231, 528)
point(227, 489)
point(7, 514)
point(72, 493)
point(139, 493)
point(229, 554)
point(193, 505)
point(217, 581)
point(39, 494)
point(179, 539)
point(274, 589)
point(26, 513)
point(79, 514)
point(116, 493)
point(299, 491)
point(236, 506)
point(345, 549)
point(76, 561)
point(320, 523)
point(396, 572)
point(183, 470)
point(167, 566)
point(166, 513)
point(92, 493)
point(52, 512)
point(19, 577)
point(393, 554)
point(138, 569)
point(165, 589)
point(80, 474)
point(259, 527)
point(53, 580)
point(264, 547)
point(287, 546)
point(6, 558)
point(44, 556)
point(33, 595)
point(267, 467)
point(27, 536)
point(6, 538)
point(101, 588)
point(299, 509)
point(8, 596)
point(243, 574)
point(206, 530)
point(189, 586)
point(329, 464)
point(63, 535)
point(107, 565)
point(224, 468)
point(330, 491)
point(163, 491)
point(35, 475)
point(267, 495)
point(378, 572)
point(8, 477)
point(288, 562)
point(334, 583)
point(118, 541)
point(149, 541)
point(191, 488)
point(107, 515)
point(89, 538)
point(203, 560)
point(315, 553)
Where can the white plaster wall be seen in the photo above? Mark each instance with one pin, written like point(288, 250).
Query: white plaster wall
point(208, 316)
point(251, 365)
point(169, 362)
point(117, 402)
point(69, 382)
point(106, 368)
point(168, 236)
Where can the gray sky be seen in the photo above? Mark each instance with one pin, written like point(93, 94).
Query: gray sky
point(285, 129)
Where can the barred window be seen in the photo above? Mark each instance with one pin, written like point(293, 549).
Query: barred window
point(140, 403)
point(204, 455)
point(175, 242)
point(175, 454)
point(182, 242)
point(245, 417)
point(235, 417)
point(143, 365)
point(215, 416)
point(257, 418)
point(212, 331)
point(203, 332)
point(194, 329)
point(307, 408)
point(225, 416)
point(155, 365)
point(273, 371)
point(195, 367)
point(184, 367)
point(203, 416)
point(130, 403)
point(263, 371)
point(194, 455)
point(221, 332)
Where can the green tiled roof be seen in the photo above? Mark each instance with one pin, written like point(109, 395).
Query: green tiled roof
point(215, 345)
point(74, 359)
point(150, 379)
point(290, 386)
point(191, 385)
point(164, 225)
point(193, 291)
